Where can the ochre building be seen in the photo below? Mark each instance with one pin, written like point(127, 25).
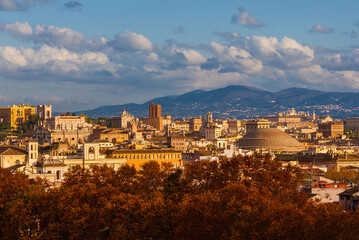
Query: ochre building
point(140, 157)
point(14, 116)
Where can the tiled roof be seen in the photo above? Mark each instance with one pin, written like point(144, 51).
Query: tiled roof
point(12, 151)
point(350, 191)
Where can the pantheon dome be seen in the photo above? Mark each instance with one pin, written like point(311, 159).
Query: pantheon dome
point(270, 139)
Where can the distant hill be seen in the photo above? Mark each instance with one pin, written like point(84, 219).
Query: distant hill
point(237, 101)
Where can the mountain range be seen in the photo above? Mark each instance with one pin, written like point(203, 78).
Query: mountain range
point(237, 101)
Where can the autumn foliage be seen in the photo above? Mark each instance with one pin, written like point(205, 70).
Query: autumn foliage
point(237, 198)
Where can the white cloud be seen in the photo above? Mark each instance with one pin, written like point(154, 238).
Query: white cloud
point(20, 5)
point(235, 59)
point(192, 56)
point(319, 28)
point(244, 19)
point(285, 52)
point(17, 29)
point(50, 35)
point(49, 59)
point(58, 36)
point(11, 57)
point(129, 41)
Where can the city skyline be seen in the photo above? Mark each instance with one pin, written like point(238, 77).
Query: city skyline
point(78, 55)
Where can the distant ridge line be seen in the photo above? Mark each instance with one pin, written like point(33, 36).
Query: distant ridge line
point(239, 101)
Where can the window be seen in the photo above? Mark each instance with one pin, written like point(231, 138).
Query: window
point(17, 162)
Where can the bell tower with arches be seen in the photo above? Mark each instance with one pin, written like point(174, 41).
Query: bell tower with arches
point(44, 112)
point(32, 148)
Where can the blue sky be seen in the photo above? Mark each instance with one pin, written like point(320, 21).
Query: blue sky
point(78, 55)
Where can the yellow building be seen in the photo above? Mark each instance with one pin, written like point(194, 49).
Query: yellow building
point(12, 156)
point(16, 115)
point(140, 157)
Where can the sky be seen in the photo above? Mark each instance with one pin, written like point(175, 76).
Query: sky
point(78, 55)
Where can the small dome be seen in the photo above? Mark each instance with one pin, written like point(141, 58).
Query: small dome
point(269, 138)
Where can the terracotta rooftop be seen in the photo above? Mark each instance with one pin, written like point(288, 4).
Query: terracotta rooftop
point(350, 191)
point(12, 151)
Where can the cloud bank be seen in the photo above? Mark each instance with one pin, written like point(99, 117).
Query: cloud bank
point(130, 65)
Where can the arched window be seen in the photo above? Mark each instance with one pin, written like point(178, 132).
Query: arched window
point(91, 150)
point(17, 162)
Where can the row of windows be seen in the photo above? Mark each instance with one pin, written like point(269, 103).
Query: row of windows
point(149, 156)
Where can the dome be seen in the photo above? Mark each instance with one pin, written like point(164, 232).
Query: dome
point(269, 138)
